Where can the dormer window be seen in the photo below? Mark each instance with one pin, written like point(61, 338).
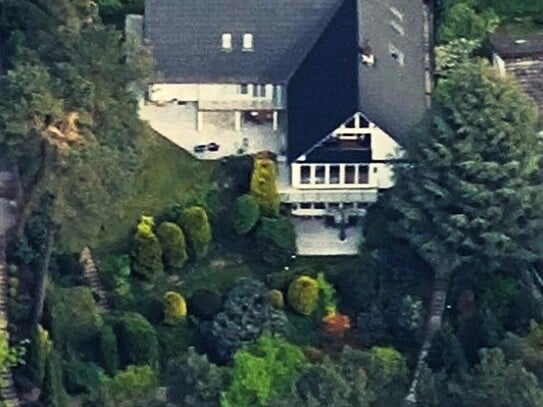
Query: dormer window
point(227, 42)
point(247, 42)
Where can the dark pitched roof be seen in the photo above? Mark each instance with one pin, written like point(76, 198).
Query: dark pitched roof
point(186, 37)
point(517, 46)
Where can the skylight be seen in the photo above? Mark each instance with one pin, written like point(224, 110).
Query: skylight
point(247, 42)
point(227, 41)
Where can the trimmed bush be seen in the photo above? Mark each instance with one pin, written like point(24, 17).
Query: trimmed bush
point(196, 225)
point(264, 186)
point(174, 247)
point(303, 295)
point(275, 240)
point(75, 317)
point(136, 339)
point(53, 392)
point(175, 308)
point(276, 299)
point(146, 250)
point(246, 214)
point(38, 352)
point(205, 304)
point(109, 354)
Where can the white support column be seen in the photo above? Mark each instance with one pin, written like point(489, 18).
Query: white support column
point(342, 174)
point(312, 171)
point(327, 174)
point(200, 121)
point(356, 169)
point(275, 120)
point(237, 120)
point(357, 121)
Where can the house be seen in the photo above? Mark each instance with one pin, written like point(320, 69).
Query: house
point(331, 86)
point(521, 57)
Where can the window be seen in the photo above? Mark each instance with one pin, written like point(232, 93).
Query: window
point(334, 174)
point(305, 174)
point(244, 89)
point(349, 174)
point(247, 42)
point(396, 54)
point(259, 91)
point(227, 41)
point(319, 174)
point(363, 174)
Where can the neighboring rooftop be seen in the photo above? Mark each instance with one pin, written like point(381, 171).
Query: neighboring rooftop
point(202, 41)
point(512, 47)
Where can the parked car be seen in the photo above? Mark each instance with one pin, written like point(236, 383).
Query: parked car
point(200, 148)
point(213, 147)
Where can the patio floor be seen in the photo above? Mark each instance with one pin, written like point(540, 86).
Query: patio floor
point(314, 238)
point(177, 123)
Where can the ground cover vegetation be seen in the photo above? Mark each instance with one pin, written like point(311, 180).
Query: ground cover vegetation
point(206, 303)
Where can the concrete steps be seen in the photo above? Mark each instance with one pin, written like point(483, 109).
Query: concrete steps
point(90, 273)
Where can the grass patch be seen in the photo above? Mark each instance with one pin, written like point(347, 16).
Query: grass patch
point(169, 174)
point(521, 26)
point(220, 279)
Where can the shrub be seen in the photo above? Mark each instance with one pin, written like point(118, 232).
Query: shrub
point(38, 352)
point(109, 354)
point(175, 308)
point(246, 214)
point(80, 376)
point(134, 387)
point(262, 370)
point(196, 225)
point(276, 299)
point(205, 304)
point(275, 240)
point(75, 317)
point(136, 339)
point(146, 250)
point(53, 393)
point(328, 294)
point(247, 314)
point(303, 295)
point(193, 381)
point(264, 186)
point(174, 248)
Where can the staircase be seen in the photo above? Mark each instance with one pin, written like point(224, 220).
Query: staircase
point(90, 273)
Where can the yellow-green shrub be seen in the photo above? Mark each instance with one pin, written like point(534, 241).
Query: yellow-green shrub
point(175, 308)
point(264, 186)
point(276, 299)
point(146, 250)
point(303, 295)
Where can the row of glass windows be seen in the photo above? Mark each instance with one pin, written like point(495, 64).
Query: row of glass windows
point(351, 175)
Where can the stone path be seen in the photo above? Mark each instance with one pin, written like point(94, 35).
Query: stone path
point(90, 273)
point(435, 317)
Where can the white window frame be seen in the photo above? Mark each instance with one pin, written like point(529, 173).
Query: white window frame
point(226, 41)
point(247, 42)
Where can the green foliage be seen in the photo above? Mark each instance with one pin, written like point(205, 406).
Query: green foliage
point(327, 295)
point(39, 350)
point(197, 229)
point(134, 387)
point(246, 214)
point(276, 299)
point(81, 377)
point(205, 304)
point(53, 393)
point(109, 354)
point(518, 8)
point(136, 339)
point(263, 370)
point(146, 250)
point(75, 317)
point(193, 381)
point(174, 249)
point(275, 240)
point(175, 308)
point(466, 19)
point(264, 186)
point(468, 199)
point(303, 295)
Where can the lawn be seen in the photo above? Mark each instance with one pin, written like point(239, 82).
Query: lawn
point(169, 174)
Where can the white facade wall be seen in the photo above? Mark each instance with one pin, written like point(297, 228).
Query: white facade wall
point(383, 147)
point(165, 92)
